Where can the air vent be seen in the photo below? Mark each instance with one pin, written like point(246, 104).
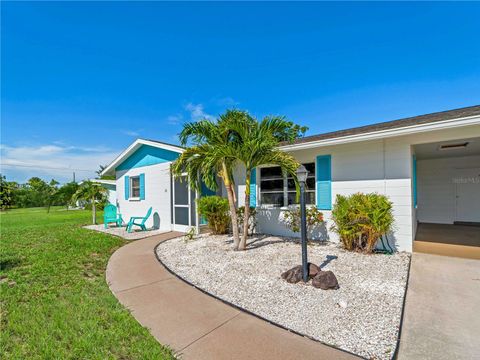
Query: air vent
point(453, 146)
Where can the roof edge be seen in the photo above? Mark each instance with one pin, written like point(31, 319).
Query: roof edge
point(134, 146)
point(425, 119)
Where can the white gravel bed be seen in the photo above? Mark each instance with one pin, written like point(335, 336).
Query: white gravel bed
point(362, 316)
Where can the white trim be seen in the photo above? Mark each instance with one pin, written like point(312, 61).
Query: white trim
point(103, 181)
point(439, 125)
point(134, 146)
point(130, 188)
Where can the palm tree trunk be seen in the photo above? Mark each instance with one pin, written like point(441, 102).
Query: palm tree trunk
point(231, 202)
point(94, 212)
point(246, 213)
point(233, 215)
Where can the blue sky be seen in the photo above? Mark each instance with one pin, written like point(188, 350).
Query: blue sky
point(81, 81)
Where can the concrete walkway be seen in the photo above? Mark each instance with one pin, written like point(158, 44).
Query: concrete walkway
point(442, 311)
point(196, 325)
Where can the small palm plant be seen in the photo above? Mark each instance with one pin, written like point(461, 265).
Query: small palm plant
point(255, 143)
point(92, 193)
point(209, 156)
point(362, 219)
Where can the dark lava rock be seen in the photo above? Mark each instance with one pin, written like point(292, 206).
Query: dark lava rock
point(325, 280)
point(295, 274)
point(313, 270)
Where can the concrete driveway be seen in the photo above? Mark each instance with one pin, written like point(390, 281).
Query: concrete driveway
point(442, 312)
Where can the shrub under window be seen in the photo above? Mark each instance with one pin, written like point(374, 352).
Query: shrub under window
point(361, 219)
point(216, 211)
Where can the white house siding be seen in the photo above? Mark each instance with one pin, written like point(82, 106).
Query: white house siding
point(382, 166)
point(112, 196)
point(436, 187)
point(157, 195)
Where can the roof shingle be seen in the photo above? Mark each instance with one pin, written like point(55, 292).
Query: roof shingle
point(395, 124)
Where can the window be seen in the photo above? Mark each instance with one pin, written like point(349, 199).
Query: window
point(135, 187)
point(276, 189)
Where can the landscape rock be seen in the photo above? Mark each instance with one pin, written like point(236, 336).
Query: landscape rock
point(313, 270)
point(295, 274)
point(325, 280)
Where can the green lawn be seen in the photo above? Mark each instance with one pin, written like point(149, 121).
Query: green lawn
point(55, 303)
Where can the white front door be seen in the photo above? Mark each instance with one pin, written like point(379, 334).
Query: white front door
point(468, 195)
point(182, 219)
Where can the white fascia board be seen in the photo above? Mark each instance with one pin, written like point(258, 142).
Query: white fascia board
point(133, 147)
point(440, 125)
point(104, 181)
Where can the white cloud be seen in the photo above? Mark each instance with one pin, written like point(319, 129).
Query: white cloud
point(48, 161)
point(225, 101)
point(134, 133)
point(175, 119)
point(197, 112)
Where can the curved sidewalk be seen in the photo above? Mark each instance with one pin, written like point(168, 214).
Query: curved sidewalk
point(195, 325)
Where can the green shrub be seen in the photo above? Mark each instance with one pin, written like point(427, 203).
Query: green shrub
point(361, 219)
point(291, 218)
point(216, 211)
point(252, 221)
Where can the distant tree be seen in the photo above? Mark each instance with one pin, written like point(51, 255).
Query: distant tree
point(37, 193)
point(51, 193)
point(103, 177)
point(92, 193)
point(65, 193)
point(7, 193)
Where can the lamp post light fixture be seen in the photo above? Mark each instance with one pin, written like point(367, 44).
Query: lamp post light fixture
point(302, 173)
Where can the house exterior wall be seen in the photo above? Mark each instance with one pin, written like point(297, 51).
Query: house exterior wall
point(384, 166)
point(436, 187)
point(112, 194)
point(376, 166)
point(157, 195)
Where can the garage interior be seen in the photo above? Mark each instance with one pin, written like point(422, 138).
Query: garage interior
point(447, 197)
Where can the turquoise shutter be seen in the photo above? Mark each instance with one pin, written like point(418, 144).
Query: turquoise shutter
point(127, 187)
point(142, 186)
point(414, 179)
point(253, 188)
point(324, 182)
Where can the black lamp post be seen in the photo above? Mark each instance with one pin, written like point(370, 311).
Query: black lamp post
point(302, 178)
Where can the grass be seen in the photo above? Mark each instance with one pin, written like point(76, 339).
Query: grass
point(55, 302)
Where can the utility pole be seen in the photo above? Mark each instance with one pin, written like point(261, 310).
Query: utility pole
point(74, 176)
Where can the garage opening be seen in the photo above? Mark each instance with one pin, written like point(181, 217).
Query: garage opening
point(446, 195)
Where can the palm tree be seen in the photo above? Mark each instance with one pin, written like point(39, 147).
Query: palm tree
point(91, 192)
point(208, 156)
point(255, 143)
point(51, 192)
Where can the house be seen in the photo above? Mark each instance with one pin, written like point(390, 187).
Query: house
point(111, 186)
point(428, 166)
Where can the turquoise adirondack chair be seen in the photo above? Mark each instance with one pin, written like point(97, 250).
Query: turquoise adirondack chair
point(110, 215)
point(141, 224)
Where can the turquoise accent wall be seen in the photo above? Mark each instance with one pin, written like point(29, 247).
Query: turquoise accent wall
point(147, 155)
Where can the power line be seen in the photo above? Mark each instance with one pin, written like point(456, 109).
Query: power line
point(46, 167)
